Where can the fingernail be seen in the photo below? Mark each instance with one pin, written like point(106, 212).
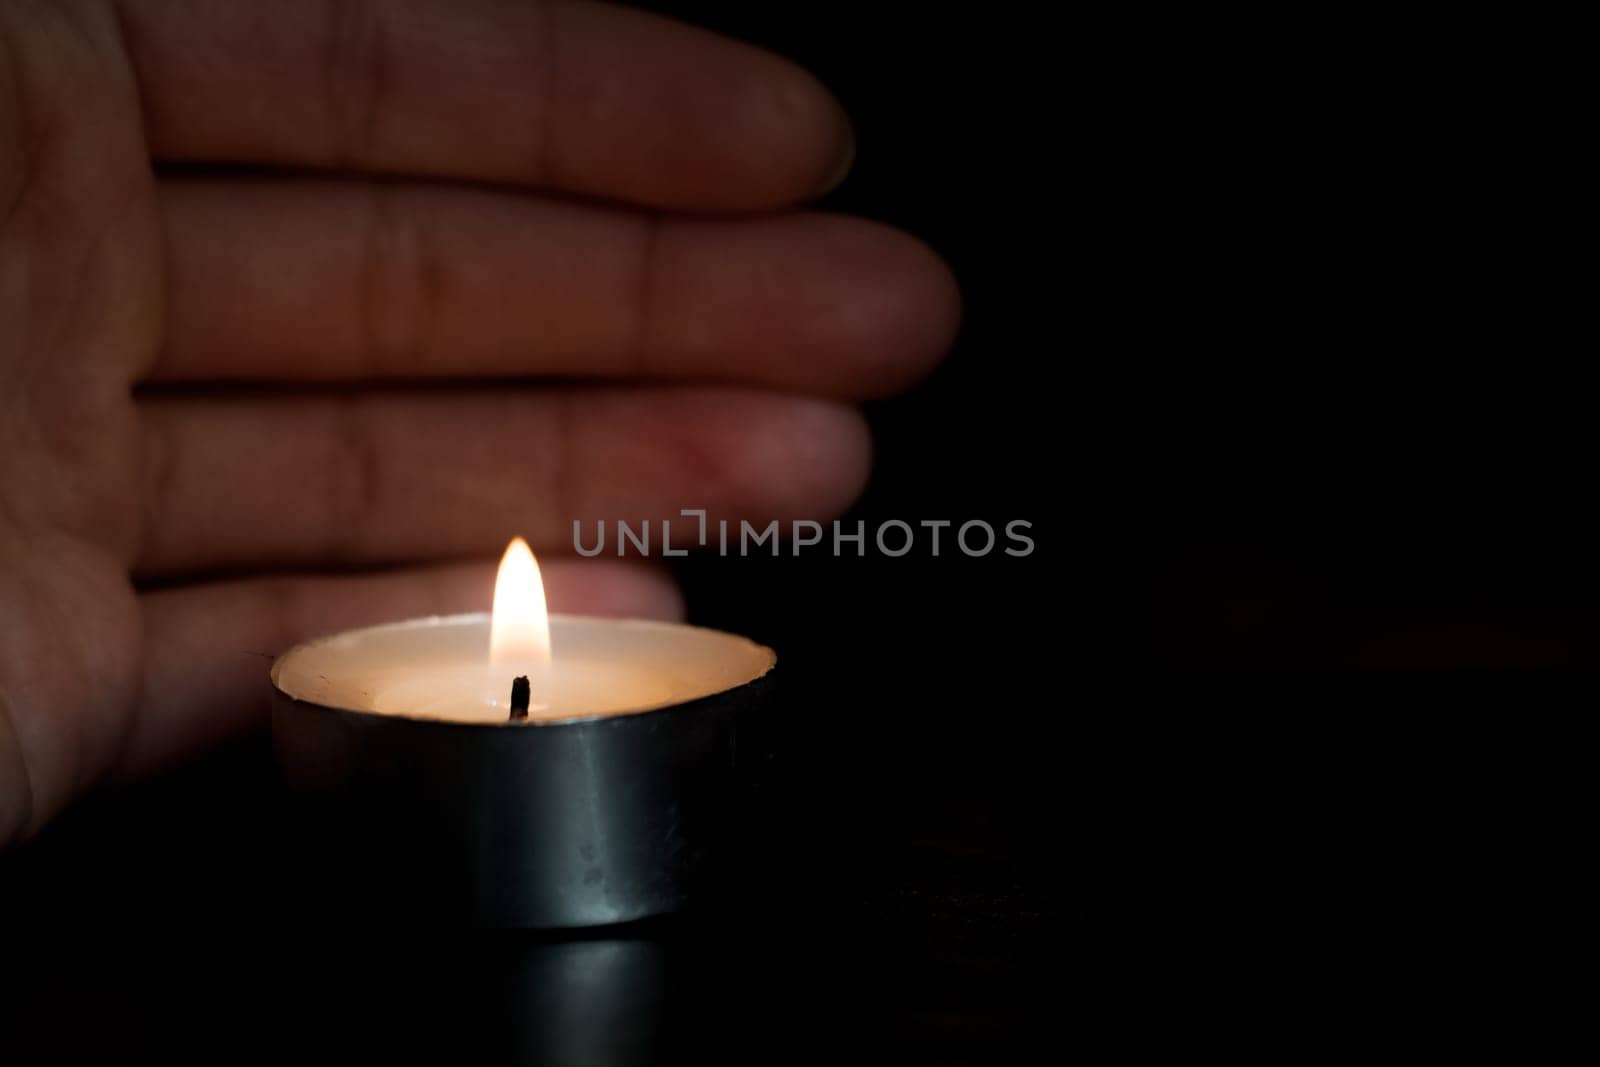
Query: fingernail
point(845, 157)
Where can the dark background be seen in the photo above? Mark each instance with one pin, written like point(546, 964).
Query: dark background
point(1262, 337)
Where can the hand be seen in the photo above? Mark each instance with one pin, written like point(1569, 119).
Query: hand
point(198, 368)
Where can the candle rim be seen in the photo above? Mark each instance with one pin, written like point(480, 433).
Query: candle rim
point(769, 656)
point(744, 690)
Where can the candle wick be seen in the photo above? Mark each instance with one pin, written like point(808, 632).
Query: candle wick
point(519, 698)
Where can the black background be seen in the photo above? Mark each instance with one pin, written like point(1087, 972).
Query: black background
point(1264, 337)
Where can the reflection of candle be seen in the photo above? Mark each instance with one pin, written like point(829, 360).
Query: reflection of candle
point(611, 800)
point(463, 668)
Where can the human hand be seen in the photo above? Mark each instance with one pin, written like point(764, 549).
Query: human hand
point(199, 408)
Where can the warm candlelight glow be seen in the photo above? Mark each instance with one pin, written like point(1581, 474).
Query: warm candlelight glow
point(519, 631)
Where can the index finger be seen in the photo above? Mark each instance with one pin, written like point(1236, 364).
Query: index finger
point(578, 96)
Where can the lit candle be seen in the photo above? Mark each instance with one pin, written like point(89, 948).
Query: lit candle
point(462, 668)
point(518, 768)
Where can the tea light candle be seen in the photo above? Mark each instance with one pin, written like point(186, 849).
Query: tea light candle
point(519, 768)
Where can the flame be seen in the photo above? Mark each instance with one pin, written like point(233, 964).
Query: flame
point(519, 628)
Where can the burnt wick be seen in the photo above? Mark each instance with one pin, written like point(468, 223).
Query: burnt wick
point(519, 698)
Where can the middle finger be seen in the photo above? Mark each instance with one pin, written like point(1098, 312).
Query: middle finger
point(312, 281)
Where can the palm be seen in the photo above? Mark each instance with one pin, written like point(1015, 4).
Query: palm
point(119, 282)
point(80, 315)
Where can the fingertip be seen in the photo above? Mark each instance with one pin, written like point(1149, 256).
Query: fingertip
point(757, 456)
point(660, 596)
point(825, 132)
point(654, 111)
point(826, 449)
point(613, 589)
point(886, 308)
point(817, 303)
point(793, 133)
point(915, 320)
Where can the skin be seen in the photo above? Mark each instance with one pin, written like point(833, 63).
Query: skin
point(577, 222)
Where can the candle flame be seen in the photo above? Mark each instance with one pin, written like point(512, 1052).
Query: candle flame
point(519, 628)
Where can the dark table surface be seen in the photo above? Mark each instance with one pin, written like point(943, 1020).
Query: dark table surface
point(906, 897)
point(1217, 861)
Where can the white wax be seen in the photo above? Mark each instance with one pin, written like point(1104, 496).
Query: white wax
point(438, 668)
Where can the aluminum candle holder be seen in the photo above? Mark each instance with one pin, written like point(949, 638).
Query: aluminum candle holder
point(563, 822)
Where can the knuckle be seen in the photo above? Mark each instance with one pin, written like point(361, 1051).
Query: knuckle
point(352, 480)
point(355, 78)
point(398, 287)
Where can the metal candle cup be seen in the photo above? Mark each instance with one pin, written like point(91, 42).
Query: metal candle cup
point(550, 821)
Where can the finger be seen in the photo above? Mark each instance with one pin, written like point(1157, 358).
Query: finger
point(319, 281)
point(579, 96)
point(247, 482)
point(207, 647)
